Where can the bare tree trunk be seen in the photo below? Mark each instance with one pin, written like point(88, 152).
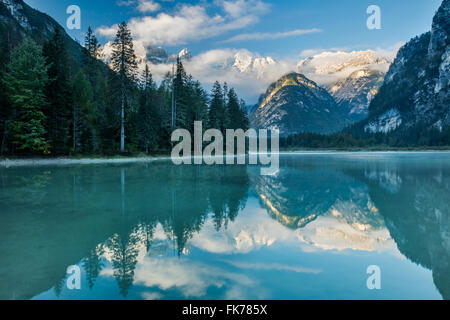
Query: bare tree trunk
point(122, 127)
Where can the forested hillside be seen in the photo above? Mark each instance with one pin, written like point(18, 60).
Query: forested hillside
point(58, 98)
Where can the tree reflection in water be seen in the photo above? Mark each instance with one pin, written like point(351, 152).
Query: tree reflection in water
point(55, 217)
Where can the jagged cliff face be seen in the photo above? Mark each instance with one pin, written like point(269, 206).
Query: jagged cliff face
point(354, 93)
point(296, 104)
point(416, 89)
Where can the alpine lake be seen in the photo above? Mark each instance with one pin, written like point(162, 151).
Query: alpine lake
point(153, 230)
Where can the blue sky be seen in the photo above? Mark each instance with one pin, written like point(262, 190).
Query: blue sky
point(342, 23)
point(250, 43)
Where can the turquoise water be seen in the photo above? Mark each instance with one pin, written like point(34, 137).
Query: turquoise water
point(159, 231)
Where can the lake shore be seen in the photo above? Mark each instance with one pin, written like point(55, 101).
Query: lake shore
point(89, 160)
point(22, 162)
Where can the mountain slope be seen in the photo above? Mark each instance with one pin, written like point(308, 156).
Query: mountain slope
point(296, 104)
point(415, 95)
point(18, 20)
point(354, 93)
point(352, 78)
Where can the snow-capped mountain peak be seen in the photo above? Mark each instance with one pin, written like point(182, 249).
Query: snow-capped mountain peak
point(326, 63)
point(246, 62)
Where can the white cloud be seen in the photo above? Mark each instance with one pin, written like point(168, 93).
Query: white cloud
point(108, 32)
point(272, 266)
point(328, 66)
point(254, 229)
point(312, 52)
point(145, 6)
point(249, 73)
point(126, 3)
point(238, 8)
point(273, 35)
point(190, 22)
point(151, 296)
point(191, 278)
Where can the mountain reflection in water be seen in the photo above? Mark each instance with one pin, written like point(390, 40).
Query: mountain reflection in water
point(163, 231)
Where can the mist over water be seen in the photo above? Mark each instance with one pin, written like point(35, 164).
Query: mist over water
point(160, 231)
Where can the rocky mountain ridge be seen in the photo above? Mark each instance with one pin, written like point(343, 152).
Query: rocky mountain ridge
point(295, 104)
point(416, 93)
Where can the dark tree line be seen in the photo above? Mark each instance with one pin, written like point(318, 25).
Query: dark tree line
point(54, 105)
point(354, 137)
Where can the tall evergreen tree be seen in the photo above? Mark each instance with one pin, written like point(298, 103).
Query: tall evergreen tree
point(123, 62)
point(25, 81)
point(244, 113)
point(216, 113)
point(198, 103)
point(84, 114)
point(59, 109)
point(181, 96)
point(91, 44)
point(108, 122)
point(148, 123)
point(233, 111)
point(5, 108)
point(91, 54)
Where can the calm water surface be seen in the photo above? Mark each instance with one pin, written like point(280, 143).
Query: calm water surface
point(159, 231)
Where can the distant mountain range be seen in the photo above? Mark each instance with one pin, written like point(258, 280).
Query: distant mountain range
point(345, 84)
point(412, 97)
point(352, 78)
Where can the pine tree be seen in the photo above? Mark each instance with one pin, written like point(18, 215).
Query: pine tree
point(147, 120)
point(234, 115)
point(124, 63)
point(163, 103)
point(181, 96)
point(216, 113)
point(225, 93)
point(245, 124)
point(215, 106)
point(108, 122)
point(25, 81)
point(59, 109)
point(84, 113)
point(91, 54)
point(91, 44)
point(5, 108)
point(198, 103)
